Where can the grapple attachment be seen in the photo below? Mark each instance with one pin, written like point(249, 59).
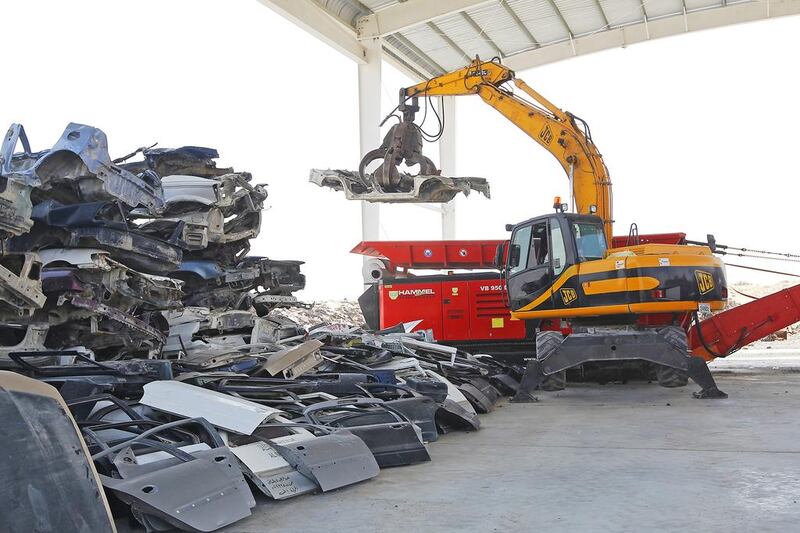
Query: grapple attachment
point(386, 182)
point(402, 144)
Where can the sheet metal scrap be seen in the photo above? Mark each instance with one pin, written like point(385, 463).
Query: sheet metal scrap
point(49, 481)
point(201, 493)
point(225, 412)
point(175, 484)
point(108, 330)
point(77, 374)
point(17, 182)
point(20, 285)
point(417, 408)
point(76, 169)
point(269, 471)
point(416, 189)
point(333, 460)
point(21, 338)
point(208, 210)
point(390, 436)
point(103, 225)
point(293, 362)
point(202, 337)
point(187, 160)
point(79, 168)
point(96, 275)
point(259, 281)
point(289, 460)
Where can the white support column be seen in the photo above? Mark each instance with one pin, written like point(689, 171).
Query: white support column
point(447, 162)
point(369, 133)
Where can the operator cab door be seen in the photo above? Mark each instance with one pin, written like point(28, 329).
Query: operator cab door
point(530, 270)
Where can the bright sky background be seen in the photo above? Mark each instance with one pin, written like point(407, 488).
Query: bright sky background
point(697, 130)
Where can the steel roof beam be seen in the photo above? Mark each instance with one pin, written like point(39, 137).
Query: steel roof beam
point(309, 16)
point(438, 31)
point(475, 26)
point(403, 15)
point(602, 12)
point(398, 60)
point(521, 25)
point(685, 16)
point(561, 18)
point(425, 57)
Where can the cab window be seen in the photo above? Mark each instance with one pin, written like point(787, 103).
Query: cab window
point(559, 250)
point(520, 248)
point(539, 252)
point(589, 240)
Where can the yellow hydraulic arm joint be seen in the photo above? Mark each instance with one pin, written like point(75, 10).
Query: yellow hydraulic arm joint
point(564, 135)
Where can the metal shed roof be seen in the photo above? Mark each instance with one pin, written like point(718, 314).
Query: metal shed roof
point(428, 37)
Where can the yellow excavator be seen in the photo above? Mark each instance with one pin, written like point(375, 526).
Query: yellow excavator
point(591, 302)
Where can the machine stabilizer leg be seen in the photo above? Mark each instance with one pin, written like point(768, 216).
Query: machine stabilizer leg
point(700, 374)
point(531, 380)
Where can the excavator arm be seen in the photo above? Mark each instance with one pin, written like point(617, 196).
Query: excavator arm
point(562, 134)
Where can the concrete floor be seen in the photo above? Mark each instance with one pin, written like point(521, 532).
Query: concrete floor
point(632, 457)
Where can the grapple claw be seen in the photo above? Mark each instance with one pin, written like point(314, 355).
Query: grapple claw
point(402, 144)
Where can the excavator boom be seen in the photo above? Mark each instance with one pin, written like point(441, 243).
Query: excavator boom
point(562, 134)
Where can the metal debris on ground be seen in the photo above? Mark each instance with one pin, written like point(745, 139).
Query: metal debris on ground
point(191, 370)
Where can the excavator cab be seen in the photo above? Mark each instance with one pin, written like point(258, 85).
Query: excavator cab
point(542, 249)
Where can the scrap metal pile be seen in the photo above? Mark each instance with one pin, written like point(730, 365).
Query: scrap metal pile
point(108, 255)
point(126, 286)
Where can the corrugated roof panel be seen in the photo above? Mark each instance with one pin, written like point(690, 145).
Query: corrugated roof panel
point(622, 12)
point(434, 46)
point(501, 28)
point(661, 8)
point(375, 5)
point(691, 5)
point(347, 11)
point(582, 16)
point(425, 65)
point(465, 36)
point(541, 19)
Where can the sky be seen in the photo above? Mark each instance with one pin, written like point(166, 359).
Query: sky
point(697, 130)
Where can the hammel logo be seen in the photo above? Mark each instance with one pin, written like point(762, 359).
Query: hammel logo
point(569, 295)
point(394, 295)
point(705, 281)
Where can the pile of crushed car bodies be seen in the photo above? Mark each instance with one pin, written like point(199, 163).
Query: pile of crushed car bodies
point(126, 286)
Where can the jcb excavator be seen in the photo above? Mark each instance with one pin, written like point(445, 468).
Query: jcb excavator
point(631, 302)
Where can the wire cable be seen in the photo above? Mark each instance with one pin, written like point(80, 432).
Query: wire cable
point(763, 270)
point(752, 251)
point(766, 258)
